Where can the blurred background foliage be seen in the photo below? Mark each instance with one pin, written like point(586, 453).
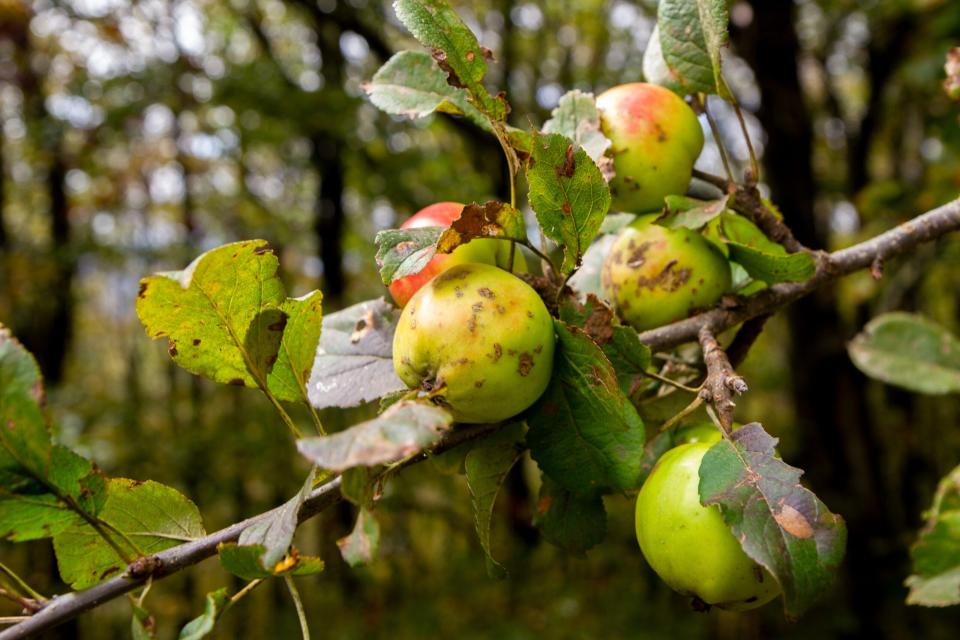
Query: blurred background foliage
point(136, 135)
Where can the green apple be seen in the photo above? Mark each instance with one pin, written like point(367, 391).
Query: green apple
point(442, 214)
point(656, 140)
point(477, 340)
point(689, 545)
point(654, 275)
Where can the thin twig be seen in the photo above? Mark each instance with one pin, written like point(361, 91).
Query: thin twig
point(724, 156)
point(674, 383)
point(722, 381)
point(20, 583)
point(754, 177)
point(746, 336)
point(298, 603)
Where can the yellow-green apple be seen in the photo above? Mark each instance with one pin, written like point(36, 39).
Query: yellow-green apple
point(689, 545)
point(477, 340)
point(654, 275)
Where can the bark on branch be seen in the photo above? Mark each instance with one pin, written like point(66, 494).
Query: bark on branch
point(722, 381)
point(830, 266)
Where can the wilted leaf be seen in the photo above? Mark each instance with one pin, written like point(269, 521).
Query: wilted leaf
point(202, 625)
point(244, 561)
point(411, 84)
point(692, 33)
point(404, 252)
point(780, 524)
point(936, 555)
point(584, 433)
point(571, 521)
point(489, 220)
point(43, 487)
point(354, 362)
point(360, 485)
point(402, 430)
point(437, 26)
point(360, 547)
point(275, 534)
point(568, 194)
point(487, 465)
point(908, 351)
point(692, 214)
point(151, 515)
point(576, 117)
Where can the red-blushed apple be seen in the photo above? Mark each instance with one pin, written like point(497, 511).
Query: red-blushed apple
point(477, 340)
point(656, 140)
point(442, 214)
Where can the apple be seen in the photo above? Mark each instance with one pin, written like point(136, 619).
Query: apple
point(442, 214)
point(654, 275)
point(689, 545)
point(656, 140)
point(477, 340)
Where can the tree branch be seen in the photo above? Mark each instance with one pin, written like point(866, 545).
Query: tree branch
point(59, 609)
point(722, 381)
point(830, 266)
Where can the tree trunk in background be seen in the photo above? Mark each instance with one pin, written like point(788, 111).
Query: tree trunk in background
point(328, 162)
point(3, 183)
point(828, 392)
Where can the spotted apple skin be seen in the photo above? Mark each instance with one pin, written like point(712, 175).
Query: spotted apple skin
point(656, 140)
point(654, 276)
point(442, 214)
point(477, 340)
point(689, 545)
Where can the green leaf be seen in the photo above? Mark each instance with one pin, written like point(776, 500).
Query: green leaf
point(780, 524)
point(44, 488)
point(908, 351)
point(152, 516)
point(584, 433)
point(621, 345)
point(288, 378)
point(354, 361)
point(576, 117)
point(404, 252)
point(244, 561)
point(574, 522)
point(773, 267)
point(360, 547)
point(692, 33)
point(487, 465)
point(402, 430)
point(275, 534)
point(222, 314)
point(411, 84)
point(568, 194)
point(655, 69)
point(437, 26)
point(692, 214)
point(202, 625)
point(936, 554)
point(489, 220)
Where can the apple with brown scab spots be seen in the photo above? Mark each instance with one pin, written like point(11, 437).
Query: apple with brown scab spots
point(654, 275)
point(656, 140)
point(478, 341)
